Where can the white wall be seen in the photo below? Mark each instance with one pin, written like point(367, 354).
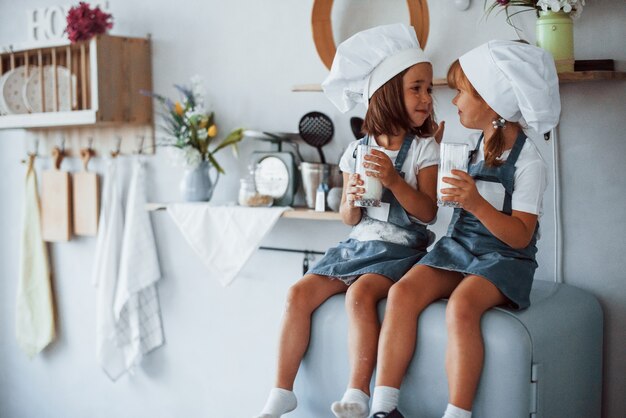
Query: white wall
point(219, 355)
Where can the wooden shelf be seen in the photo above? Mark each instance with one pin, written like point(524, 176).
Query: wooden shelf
point(578, 76)
point(567, 77)
point(306, 213)
point(294, 213)
point(108, 74)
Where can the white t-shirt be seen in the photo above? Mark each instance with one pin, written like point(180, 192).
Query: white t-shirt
point(424, 152)
point(530, 183)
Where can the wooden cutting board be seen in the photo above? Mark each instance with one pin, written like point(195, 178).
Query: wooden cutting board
point(86, 198)
point(56, 209)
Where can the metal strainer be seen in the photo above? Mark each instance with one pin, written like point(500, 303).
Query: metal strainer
point(316, 129)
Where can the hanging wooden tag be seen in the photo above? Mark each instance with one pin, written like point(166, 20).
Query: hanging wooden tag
point(56, 210)
point(86, 197)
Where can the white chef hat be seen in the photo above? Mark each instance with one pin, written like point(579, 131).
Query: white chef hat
point(518, 81)
point(367, 60)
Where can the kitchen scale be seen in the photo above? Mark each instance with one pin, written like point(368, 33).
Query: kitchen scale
point(275, 172)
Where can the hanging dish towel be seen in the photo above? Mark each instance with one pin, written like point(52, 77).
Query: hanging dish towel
point(136, 307)
point(224, 236)
point(105, 273)
point(34, 308)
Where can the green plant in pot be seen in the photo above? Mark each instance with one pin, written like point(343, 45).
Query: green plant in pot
point(191, 135)
point(554, 27)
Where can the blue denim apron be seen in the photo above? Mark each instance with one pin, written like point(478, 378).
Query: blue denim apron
point(353, 258)
point(470, 248)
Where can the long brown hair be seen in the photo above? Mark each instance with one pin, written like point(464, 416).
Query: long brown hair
point(387, 115)
point(495, 146)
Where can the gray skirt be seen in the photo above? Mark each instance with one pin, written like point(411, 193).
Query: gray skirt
point(352, 258)
point(513, 276)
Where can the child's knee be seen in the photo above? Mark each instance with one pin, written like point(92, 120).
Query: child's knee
point(461, 312)
point(297, 298)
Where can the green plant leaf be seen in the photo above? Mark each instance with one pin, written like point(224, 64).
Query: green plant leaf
point(215, 163)
point(233, 138)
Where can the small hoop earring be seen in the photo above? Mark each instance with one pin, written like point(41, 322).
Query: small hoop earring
point(499, 122)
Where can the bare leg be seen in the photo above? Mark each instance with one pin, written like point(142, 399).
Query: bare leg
point(364, 327)
point(465, 352)
point(419, 287)
point(361, 303)
point(303, 298)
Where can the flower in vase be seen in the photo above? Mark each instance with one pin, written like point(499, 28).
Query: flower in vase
point(190, 129)
point(572, 7)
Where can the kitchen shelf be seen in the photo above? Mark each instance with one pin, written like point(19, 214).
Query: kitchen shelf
point(566, 77)
point(295, 213)
point(108, 73)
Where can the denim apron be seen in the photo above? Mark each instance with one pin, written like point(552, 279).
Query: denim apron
point(353, 258)
point(470, 248)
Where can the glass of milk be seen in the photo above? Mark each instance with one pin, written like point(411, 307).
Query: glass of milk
point(452, 157)
point(372, 185)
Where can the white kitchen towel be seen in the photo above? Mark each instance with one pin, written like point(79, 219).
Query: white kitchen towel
point(136, 307)
point(34, 316)
point(106, 268)
point(224, 236)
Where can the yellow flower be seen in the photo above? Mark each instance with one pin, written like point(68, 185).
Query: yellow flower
point(212, 131)
point(178, 108)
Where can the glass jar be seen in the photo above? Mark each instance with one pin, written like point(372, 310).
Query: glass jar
point(247, 191)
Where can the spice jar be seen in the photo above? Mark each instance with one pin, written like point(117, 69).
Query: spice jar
point(247, 191)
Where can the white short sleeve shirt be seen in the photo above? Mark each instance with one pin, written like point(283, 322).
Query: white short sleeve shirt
point(424, 152)
point(531, 180)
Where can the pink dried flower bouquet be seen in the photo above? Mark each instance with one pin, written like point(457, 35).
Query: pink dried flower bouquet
point(83, 22)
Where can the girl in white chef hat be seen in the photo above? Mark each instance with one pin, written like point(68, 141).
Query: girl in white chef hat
point(504, 89)
point(385, 69)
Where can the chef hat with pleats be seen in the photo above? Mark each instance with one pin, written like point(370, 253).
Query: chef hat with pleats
point(518, 81)
point(367, 60)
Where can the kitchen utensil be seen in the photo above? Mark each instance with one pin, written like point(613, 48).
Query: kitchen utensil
point(280, 138)
point(356, 124)
point(86, 197)
point(56, 199)
point(274, 172)
point(452, 157)
point(316, 129)
point(312, 175)
point(32, 90)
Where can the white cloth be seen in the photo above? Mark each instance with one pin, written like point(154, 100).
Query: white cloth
point(34, 316)
point(105, 272)
point(367, 60)
point(531, 180)
point(518, 81)
point(136, 306)
point(224, 237)
point(424, 152)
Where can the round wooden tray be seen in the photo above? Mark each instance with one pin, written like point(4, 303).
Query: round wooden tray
point(323, 28)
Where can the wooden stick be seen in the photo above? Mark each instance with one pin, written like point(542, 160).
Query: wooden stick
point(26, 65)
point(68, 63)
point(55, 81)
point(83, 75)
point(41, 89)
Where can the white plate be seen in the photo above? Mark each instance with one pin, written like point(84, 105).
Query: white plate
point(3, 110)
point(31, 92)
point(11, 91)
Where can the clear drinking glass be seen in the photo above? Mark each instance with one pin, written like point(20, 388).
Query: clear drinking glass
point(452, 157)
point(372, 185)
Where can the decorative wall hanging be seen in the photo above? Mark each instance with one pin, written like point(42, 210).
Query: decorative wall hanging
point(323, 30)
